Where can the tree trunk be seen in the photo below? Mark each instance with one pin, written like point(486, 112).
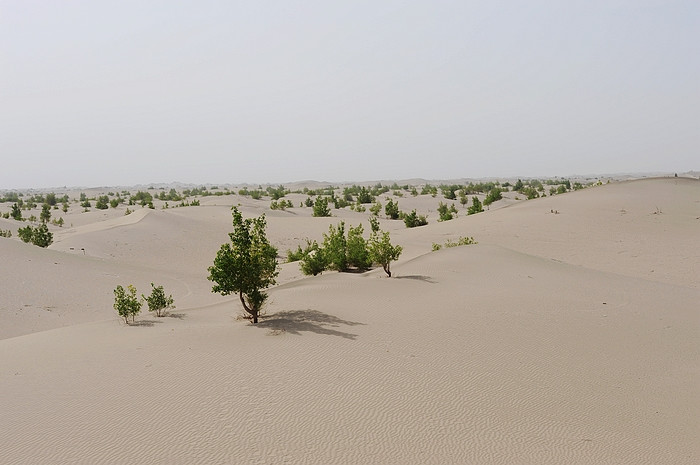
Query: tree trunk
point(250, 311)
point(386, 269)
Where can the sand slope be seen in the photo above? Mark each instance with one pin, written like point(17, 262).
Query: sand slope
point(531, 347)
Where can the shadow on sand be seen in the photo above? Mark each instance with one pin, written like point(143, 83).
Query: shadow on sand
point(144, 323)
point(417, 277)
point(179, 316)
point(297, 321)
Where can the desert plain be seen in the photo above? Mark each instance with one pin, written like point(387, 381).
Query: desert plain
point(569, 334)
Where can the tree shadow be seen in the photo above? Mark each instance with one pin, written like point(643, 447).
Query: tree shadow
point(297, 321)
point(179, 316)
point(426, 279)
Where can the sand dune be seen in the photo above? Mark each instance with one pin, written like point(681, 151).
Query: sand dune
point(551, 341)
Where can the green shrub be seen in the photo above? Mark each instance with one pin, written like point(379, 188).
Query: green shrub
point(16, 212)
point(412, 220)
point(102, 202)
point(476, 206)
point(5, 233)
point(321, 207)
point(357, 252)
point(382, 252)
point(45, 214)
point(40, 235)
point(126, 304)
point(459, 242)
point(376, 208)
point(392, 209)
point(493, 196)
point(157, 301)
point(314, 261)
point(446, 213)
point(335, 247)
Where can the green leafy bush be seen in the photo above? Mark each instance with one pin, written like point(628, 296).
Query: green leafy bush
point(357, 252)
point(314, 261)
point(335, 247)
point(102, 202)
point(321, 207)
point(412, 220)
point(382, 252)
point(40, 235)
point(391, 209)
point(446, 213)
point(476, 206)
point(126, 304)
point(158, 302)
point(493, 196)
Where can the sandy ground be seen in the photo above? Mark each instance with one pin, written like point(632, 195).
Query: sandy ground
point(569, 334)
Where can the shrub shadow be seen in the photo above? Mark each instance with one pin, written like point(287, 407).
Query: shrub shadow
point(179, 316)
point(144, 323)
point(297, 321)
point(426, 279)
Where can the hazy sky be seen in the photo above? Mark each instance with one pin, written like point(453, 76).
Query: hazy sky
point(123, 92)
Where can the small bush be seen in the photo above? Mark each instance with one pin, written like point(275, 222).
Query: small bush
point(126, 304)
point(5, 233)
point(413, 220)
point(314, 260)
point(157, 301)
point(476, 206)
point(392, 209)
point(40, 235)
point(102, 202)
point(321, 207)
point(383, 252)
point(459, 242)
point(357, 252)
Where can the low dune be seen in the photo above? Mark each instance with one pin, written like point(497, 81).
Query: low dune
point(569, 334)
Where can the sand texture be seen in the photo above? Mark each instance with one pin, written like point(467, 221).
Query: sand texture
point(569, 334)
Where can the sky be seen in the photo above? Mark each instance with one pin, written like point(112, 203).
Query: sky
point(109, 93)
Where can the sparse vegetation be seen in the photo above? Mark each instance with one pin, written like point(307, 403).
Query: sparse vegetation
point(450, 243)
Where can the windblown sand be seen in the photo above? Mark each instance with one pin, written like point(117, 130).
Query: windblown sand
point(569, 337)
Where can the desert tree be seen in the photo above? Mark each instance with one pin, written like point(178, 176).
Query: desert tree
point(247, 265)
point(16, 212)
point(412, 220)
point(357, 252)
point(126, 303)
point(476, 206)
point(40, 235)
point(45, 214)
point(392, 209)
point(158, 302)
point(335, 247)
point(321, 207)
point(313, 261)
point(382, 251)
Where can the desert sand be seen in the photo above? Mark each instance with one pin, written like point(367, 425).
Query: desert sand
point(569, 334)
